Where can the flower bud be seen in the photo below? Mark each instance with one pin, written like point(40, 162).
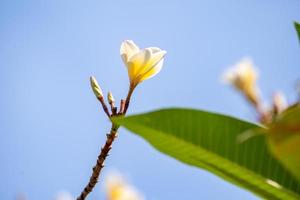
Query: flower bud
point(96, 88)
point(110, 98)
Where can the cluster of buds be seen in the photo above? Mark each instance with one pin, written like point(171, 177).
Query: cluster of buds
point(243, 76)
point(141, 64)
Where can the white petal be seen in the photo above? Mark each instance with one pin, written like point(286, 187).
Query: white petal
point(153, 71)
point(137, 62)
point(128, 49)
point(141, 58)
point(154, 49)
point(154, 59)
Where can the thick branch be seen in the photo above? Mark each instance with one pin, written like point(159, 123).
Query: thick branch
point(99, 165)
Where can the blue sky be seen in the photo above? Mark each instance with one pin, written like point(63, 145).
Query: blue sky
point(51, 125)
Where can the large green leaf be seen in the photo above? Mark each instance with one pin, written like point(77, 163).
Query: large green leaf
point(209, 141)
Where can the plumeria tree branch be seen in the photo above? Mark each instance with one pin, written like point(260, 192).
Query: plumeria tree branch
point(141, 65)
point(100, 163)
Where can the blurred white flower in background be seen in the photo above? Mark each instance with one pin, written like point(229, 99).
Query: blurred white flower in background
point(63, 196)
point(117, 188)
point(243, 76)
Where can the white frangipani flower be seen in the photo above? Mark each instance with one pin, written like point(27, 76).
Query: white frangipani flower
point(141, 64)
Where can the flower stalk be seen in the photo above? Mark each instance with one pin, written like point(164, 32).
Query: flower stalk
point(127, 101)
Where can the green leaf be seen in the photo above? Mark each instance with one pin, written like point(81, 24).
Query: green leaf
point(297, 27)
point(209, 141)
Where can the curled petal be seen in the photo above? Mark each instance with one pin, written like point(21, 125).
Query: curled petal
point(137, 62)
point(128, 49)
point(154, 49)
point(155, 58)
point(153, 71)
